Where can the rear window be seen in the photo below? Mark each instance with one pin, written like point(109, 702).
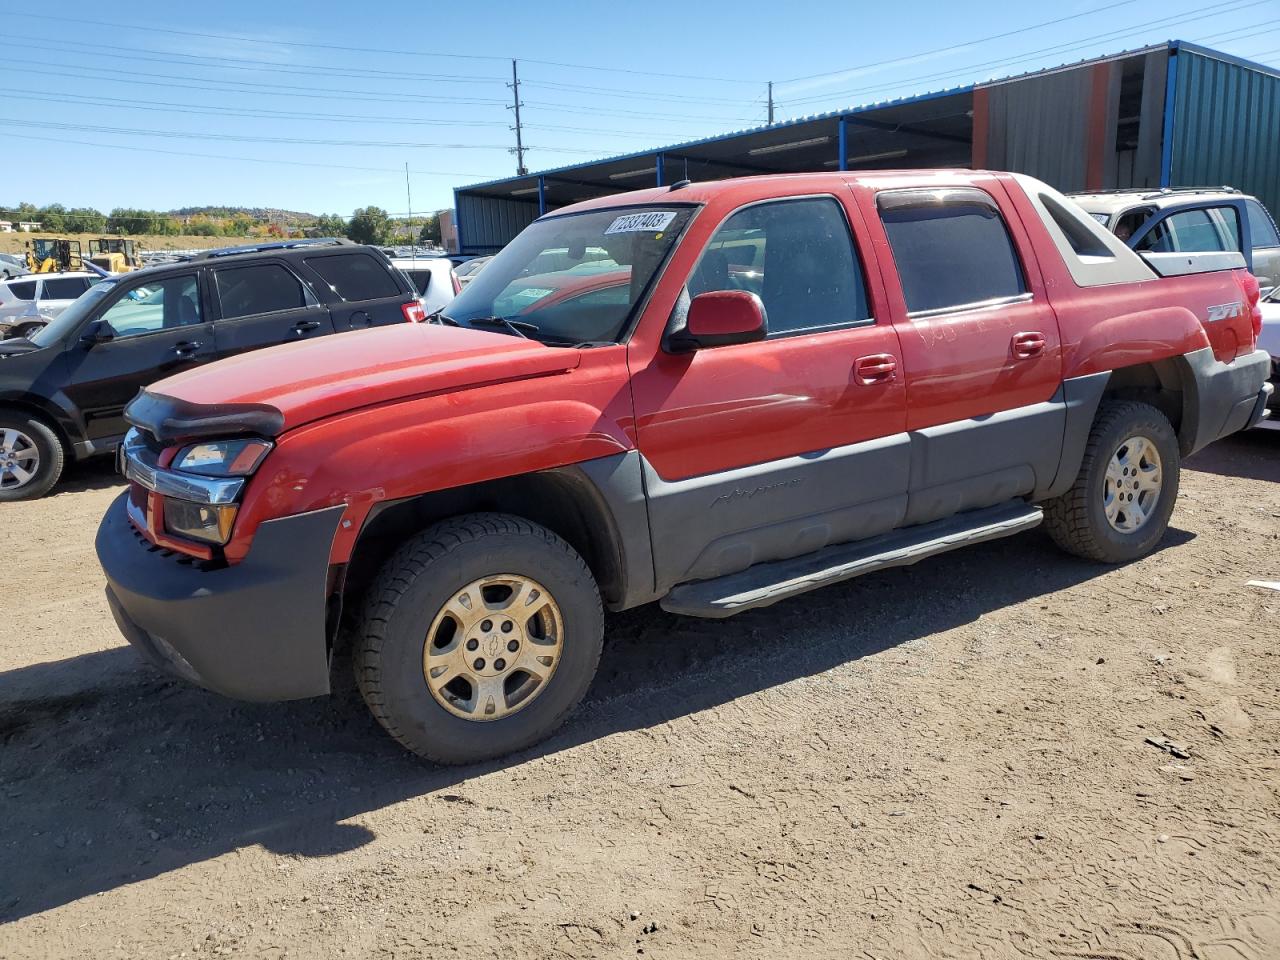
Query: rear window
point(951, 248)
point(25, 290)
point(265, 288)
point(421, 279)
point(64, 288)
point(355, 276)
point(1262, 229)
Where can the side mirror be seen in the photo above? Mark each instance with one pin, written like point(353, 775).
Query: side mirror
point(721, 318)
point(97, 332)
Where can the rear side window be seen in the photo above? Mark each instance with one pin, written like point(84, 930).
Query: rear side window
point(64, 288)
point(951, 248)
point(796, 255)
point(1262, 228)
point(355, 276)
point(26, 290)
point(421, 279)
point(264, 288)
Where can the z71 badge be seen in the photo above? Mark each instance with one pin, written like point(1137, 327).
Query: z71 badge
point(1224, 310)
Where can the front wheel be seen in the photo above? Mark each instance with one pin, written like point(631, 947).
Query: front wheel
point(478, 637)
point(31, 457)
point(1119, 507)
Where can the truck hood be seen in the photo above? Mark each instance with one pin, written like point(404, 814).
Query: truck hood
point(298, 383)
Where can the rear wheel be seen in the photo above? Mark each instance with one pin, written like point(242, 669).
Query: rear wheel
point(31, 457)
point(478, 637)
point(1119, 507)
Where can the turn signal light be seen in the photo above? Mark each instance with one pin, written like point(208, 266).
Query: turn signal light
point(1253, 301)
point(414, 312)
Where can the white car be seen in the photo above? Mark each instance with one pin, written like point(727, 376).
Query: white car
point(467, 271)
point(433, 278)
point(1269, 340)
point(28, 303)
point(12, 265)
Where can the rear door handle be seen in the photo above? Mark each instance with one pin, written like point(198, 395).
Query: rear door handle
point(1028, 345)
point(187, 348)
point(302, 326)
point(876, 368)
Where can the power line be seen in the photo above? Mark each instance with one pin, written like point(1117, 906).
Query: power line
point(235, 63)
point(381, 50)
point(396, 171)
point(1211, 11)
point(964, 45)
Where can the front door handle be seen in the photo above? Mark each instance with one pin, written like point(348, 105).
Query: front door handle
point(187, 348)
point(876, 368)
point(1028, 345)
point(302, 326)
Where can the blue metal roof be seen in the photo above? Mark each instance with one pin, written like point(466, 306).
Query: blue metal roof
point(851, 110)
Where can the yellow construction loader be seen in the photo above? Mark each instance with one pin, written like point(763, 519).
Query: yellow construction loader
point(115, 254)
point(53, 256)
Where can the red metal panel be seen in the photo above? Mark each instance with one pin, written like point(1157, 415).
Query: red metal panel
point(981, 128)
point(1098, 140)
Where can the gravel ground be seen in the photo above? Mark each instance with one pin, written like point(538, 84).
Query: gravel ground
point(1003, 752)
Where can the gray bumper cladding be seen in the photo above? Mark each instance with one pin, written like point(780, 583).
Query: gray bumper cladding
point(1227, 397)
point(253, 631)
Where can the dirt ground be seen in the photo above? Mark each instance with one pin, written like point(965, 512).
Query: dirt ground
point(16, 242)
point(1003, 752)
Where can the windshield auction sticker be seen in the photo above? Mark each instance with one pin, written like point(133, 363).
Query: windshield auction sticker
point(642, 222)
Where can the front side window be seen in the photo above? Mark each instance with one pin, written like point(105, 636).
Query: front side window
point(1262, 229)
point(355, 276)
point(572, 279)
point(796, 255)
point(158, 305)
point(265, 288)
point(951, 248)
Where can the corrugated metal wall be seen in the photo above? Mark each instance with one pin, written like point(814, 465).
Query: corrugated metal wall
point(1039, 126)
point(1226, 127)
point(486, 224)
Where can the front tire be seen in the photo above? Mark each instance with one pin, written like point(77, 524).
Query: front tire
point(478, 637)
point(31, 457)
point(1118, 509)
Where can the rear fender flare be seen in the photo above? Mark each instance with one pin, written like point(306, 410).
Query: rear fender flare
point(1126, 340)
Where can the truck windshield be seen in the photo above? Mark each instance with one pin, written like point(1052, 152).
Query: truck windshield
point(572, 279)
point(69, 319)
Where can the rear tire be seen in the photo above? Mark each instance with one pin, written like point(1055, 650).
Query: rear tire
point(1118, 509)
point(448, 656)
point(31, 457)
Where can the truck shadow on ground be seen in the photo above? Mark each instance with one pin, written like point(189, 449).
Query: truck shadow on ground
point(1254, 455)
point(144, 776)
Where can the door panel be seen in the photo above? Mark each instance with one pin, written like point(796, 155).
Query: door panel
point(361, 289)
point(158, 331)
point(982, 377)
point(772, 449)
point(263, 305)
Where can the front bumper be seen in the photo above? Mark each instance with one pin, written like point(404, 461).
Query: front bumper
point(1225, 397)
point(253, 631)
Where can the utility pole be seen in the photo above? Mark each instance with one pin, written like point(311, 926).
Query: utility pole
point(771, 103)
point(408, 198)
point(521, 169)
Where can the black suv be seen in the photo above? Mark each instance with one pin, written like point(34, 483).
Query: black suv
point(64, 390)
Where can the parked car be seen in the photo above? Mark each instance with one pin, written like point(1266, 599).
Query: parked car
point(433, 278)
point(1269, 340)
point(1191, 219)
point(28, 303)
point(12, 265)
point(63, 390)
point(468, 269)
point(900, 364)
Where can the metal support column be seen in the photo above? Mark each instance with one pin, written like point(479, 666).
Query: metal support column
point(1170, 99)
point(658, 165)
point(542, 195)
point(842, 162)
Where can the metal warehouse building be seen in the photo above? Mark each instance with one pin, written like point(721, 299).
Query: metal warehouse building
point(1175, 114)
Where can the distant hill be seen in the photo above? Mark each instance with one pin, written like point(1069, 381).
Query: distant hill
point(261, 214)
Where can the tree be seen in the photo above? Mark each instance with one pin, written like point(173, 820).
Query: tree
point(84, 220)
point(430, 232)
point(331, 225)
point(369, 225)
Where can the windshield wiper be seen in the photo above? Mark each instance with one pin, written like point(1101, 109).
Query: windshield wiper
point(439, 317)
point(518, 327)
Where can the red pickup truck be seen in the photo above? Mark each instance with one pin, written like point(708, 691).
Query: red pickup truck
point(714, 396)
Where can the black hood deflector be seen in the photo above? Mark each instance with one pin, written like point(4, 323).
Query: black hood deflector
point(170, 420)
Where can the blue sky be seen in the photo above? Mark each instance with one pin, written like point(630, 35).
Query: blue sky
point(163, 105)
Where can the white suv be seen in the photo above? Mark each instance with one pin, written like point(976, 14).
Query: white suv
point(433, 278)
point(28, 303)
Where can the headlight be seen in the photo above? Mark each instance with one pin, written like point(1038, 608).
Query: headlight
point(198, 521)
point(222, 458)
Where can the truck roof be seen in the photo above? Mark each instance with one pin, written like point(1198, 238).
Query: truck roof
point(1113, 201)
